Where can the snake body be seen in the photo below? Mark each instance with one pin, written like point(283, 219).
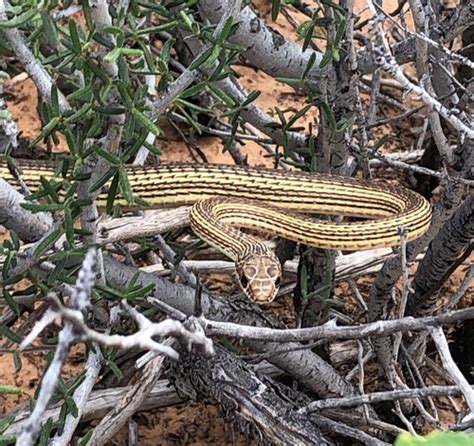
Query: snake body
point(226, 198)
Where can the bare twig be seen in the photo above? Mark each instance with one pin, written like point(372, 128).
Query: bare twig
point(67, 336)
point(405, 288)
point(330, 331)
point(388, 62)
point(131, 402)
point(465, 284)
point(441, 342)
point(33, 67)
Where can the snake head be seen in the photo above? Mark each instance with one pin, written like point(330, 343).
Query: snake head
point(260, 276)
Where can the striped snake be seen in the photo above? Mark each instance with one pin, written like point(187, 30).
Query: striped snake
point(227, 198)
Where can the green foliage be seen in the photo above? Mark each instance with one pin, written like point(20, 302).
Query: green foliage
point(88, 104)
point(436, 438)
point(9, 390)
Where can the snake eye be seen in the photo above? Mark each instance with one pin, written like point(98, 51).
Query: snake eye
point(250, 271)
point(273, 271)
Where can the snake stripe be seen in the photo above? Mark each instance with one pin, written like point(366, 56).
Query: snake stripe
point(273, 201)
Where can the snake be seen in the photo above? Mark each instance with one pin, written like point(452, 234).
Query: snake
point(283, 203)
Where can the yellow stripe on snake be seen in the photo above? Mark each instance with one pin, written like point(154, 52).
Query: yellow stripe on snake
point(227, 198)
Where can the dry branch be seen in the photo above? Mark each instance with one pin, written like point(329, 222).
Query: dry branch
point(378, 397)
point(452, 242)
point(312, 370)
point(253, 402)
point(13, 216)
point(148, 224)
point(330, 331)
point(102, 401)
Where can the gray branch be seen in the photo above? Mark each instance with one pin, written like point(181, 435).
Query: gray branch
point(256, 402)
point(378, 397)
point(441, 342)
point(449, 244)
point(330, 331)
point(305, 366)
point(28, 226)
point(262, 46)
point(32, 66)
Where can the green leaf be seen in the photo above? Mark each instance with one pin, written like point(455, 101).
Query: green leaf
point(146, 122)
point(47, 242)
point(19, 20)
point(110, 157)
point(186, 19)
point(5, 331)
point(5, 423)
point(296, 83)
point(71, 405)
point(326, 59)
point(112, 193)
point(17, 361)
point(49, 128)
point(35, 208)
point(298, 115)
point(140, 293)
point(45, 432)
point(85, 439)
point(125, 185)
point(49, 189)
point(125, 95)
point(436, 438)
point(276, 5)
point(158, 29)
point(193, 90)
point(220, 94)
point(308, 36)
point(104, 179)
point(50, 31)
point(97, 71)
point(7, 264)
point(74, 35)
point(252, 96)
point(83, 94)
point(15, 240)
point(304, 281)
point(148, 56)
point(340, 33)
point(226, 30)
point(115, 369)
point(383, 140)
point(201, 59)
point(12, 303)
point(309, 65)
point(132, 52)
point(71, 143)
point(166, 51)
point(11, 390)
point(329, 115)
point(69, 226)
point(79, 114)
point(5, 115)
point(113, 55)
